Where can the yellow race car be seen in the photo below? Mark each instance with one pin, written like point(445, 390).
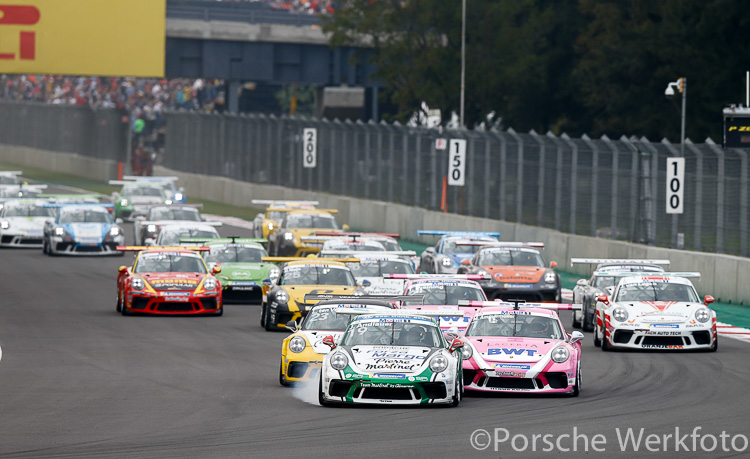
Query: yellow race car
point(265, 223)
point(302, 352)
point(284, 300)
point(289, 239)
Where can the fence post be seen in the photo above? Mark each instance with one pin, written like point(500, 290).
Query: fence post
point(501, 175)
point(698, 221)
point(519, 175)
point(435, 183)
point(487, 175)
point(743, 200)
point(573, 182)
point(471, 145)
point(613, 210)
point(719, 196)
point(540, 177)
point(633, 187)
point(417, 183)
point(594, 180)
point(558, 179)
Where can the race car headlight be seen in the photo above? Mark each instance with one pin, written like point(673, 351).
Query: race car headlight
point(209, 284)
point(5, 224)
point(550, 278)
point(447, 262)
point(620, 314)
point(59, 231)
point(439, 363)
point(282, 296)
point(467, 352)
point(269, 226)
point(288, 236)
point(123, 202)
point(703, 315)
point(114, 231)
point(151, 228)
point(273, 274)
point(137, 284)
point(560, 354)
point(179, 196)
point(339, 361)
point(297, 345)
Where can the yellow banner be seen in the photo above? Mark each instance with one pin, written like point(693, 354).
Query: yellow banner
point(83, 37)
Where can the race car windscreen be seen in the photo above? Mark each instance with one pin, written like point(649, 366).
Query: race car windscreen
point(376, 268)
point(451, 246)
point(169, 262)
point(184, 214)
point(151, 191)
point(27, 210)
point(311, 221)
point(378, 333)
point(444, 293)
point(276, 215)
point(656, 291)
point(316, 275)
point(173, 237)
point(602, 282)
point(322, 318)
point(235, 254)
point(354, 247)
point(90, 215)
point(509, 256)
point(521, 324)
point(8, 180)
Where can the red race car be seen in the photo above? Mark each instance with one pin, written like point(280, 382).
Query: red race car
point(169, 281)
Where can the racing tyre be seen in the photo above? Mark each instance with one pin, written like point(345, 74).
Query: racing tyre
point(282, 378)
point(715, 346)
point(606, 347)
point(458, 390)
point(267, 323)
point(124, 310)
point(220, 312)
point(119, 303)
point(44, 246)
point(576, 324)
point(577, 387)
point(263, 315)
point(597, 341)
point(321, 400)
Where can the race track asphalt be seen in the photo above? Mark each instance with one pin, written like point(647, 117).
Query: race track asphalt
point(80, 380)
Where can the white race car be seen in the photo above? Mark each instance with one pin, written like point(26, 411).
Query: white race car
point(22, 222)
point(170, 235)
point(655, 311)
point(394, 358)
point(373, 266)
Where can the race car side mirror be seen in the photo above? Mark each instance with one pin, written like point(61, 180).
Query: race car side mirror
point(260, 215)
point(430, 250)
point(575, 337)
point(708, 300)
point(603, 299)
point(346, 227)
point(553, 264)
point(140, 217)
point(292, 326)
point(366, 283)
point(122, 269)
point(455, 345)
point(466, 262)
point(582, 282)
point(267, 282)
point(216, 270)
point(328, 341)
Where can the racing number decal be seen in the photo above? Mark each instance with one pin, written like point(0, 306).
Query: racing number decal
point(457, 162)
point(675, 179)
point(309, 147)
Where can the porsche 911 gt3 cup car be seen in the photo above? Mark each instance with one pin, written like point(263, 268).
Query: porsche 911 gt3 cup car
point(135, 198)
point(176, 194)
point(302, 352)
point(587, 291)
point(387, 240)
point(20, 191)
point(444, 292)
point(286, 241)
point(373, 266)
point(22, 222)
point(655, 311)
point(82, 229)
point(242, 266)
point(265, 223)
point(516, 270)
point(521, 348)
point(170, 235)
point(446, 256)
point(146, 228)
point(9, 177)
point(169, 281)
point(398, 358)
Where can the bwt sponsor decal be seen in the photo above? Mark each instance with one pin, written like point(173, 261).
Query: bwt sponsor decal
point(511, 351)
point(510, 366)
point(388, 376)
point(17, 15)
point(665, 325)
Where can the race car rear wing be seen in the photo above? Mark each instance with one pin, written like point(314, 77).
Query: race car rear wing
point(25, 186)
point(406, 312)
point(483, 276)
point(690, 275)
point(363, 254)
point(139, 178)
point(185, 223)
point(324, 297)
point(535, 245)
point(156, 248)
point(355, 234)
point(457, 233)
point(223, 240)
point(271, 202)
point(310, 259)
point(79, 204)
point(623, 261)
point(522, 304)
point(66, 196)
point(11, 172)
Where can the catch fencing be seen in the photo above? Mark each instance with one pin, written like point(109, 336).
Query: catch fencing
point(611, 188)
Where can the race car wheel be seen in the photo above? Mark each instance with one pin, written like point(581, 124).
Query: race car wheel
point(577, 387)
point(220, 312)
point(597, 341)
point(263, 315)
point(267, 323)
point(119, 303)
point(124, 310)
point(458, 389)
point(576, 324)
point(282, 378)
point(321, 400)
point(606, 347)
point(715, 346)
point(44, 246)
point(586, 321)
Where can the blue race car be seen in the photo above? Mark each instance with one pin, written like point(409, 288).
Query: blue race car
point(82, 229)
point(446, 256)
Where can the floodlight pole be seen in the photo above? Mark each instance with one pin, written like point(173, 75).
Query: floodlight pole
point(463, 58)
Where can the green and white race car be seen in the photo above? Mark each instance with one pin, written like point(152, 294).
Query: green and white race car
point(394, 358)
point(242, 268)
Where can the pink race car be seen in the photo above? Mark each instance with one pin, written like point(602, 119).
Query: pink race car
point(444, 292)
point(521, 347)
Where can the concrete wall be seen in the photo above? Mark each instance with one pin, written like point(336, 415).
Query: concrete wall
point(723, 276)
